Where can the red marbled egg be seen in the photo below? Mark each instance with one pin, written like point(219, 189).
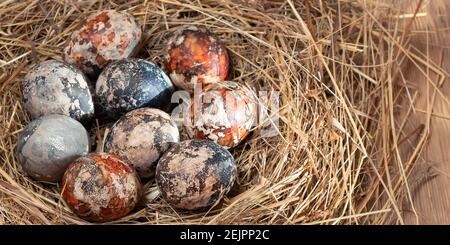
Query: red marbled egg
point(100, 187)
point(105, 36)
point(194, 55)
point(223, 112)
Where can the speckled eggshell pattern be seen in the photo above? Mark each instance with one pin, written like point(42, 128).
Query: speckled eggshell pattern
point(141, 137)
point(100, 187)
point(129, 84)
point(55, 87)
point(195, 56)
point(195, 174)
point(224, 113)
point(105, 36)
point(49, 144)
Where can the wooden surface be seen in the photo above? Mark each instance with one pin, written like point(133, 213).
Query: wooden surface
point(429, 181)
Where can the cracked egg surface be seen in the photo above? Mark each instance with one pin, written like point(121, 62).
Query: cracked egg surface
point(100, 187)
point(195, 174)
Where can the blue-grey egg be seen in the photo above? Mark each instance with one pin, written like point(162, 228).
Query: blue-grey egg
point(141, 137)
point(129, 84)
point(49, 144)
point(55, 87)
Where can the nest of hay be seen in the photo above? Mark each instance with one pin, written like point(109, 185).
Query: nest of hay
point(332, 64)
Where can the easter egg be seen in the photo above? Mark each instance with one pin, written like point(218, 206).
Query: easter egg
point(55, 87)
point(141, 137)
point(49, 144)
point(195, 174)
point(100, 187)
point(223, 112)
point(105, 36)
point(129, 84)
point(195, 56)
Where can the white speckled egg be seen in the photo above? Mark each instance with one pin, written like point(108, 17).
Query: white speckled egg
point(49, 144)
point(55, 87)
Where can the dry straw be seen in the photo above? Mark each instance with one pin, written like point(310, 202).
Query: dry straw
point(333, 63)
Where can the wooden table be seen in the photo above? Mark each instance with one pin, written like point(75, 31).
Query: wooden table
point(429, 181)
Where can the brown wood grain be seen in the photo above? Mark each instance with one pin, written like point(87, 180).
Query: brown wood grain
point(429, 181)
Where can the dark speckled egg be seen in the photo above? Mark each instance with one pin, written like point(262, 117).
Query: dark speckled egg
point(55, 87)
point(105, 36)
point(129, 84)
point(141, 137)
point(49, 144)
point(195, 56)
point(100, 187)
point(195, 174)
point(224, 113)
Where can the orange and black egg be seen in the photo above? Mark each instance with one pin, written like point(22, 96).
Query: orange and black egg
point(100, 187)
point(195, 174)
point(105, 36)
point(195, 56)
point(223, 112)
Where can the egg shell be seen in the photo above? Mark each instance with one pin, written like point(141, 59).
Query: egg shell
point(105, 36)
point(141, 137)
point(100, 187)
point(129, 84)
point(55, 87)
point(223, 112)
point(195, 174)
point(195, 56)
point(49, 144)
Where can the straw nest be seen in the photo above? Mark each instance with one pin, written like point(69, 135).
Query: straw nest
point(333, 64)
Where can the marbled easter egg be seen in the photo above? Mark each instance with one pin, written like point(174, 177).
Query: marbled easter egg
point(195, 56)
point(100, 187)
point(105, 36)
point(129, 84)
point(55, 87)
point(141, 137)
point(49, 144)
point(195, 174)
point(223, 112)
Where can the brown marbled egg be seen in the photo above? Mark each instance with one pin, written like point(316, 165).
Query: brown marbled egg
point(195, 56)
point(105, 36)
point(223, 112)
point(195, 174)
point(100, 187)
point(141, 137)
